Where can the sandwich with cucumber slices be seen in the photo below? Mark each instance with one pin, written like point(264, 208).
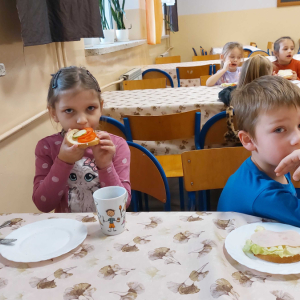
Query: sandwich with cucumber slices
point(83, 138)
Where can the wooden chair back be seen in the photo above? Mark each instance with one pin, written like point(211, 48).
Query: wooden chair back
point(192, 72)
point(168, 60)
point(145, 175)
point(210, 168)
point(156, 73)
point(112, 126)
point(247, 52)
point(270, 48)
point(156, 83)
point(213, 131)
point(259, 52)
point(161, 128)
point(253, 44)
point(206, 57)
point(203, 79)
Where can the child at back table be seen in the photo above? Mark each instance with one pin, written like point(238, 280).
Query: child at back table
point(284, 50)
point(66, 176)
point(268, 116)
point(231, 56)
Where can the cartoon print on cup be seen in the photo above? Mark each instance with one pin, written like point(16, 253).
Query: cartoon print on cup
point(111, 220)
point(123, 213)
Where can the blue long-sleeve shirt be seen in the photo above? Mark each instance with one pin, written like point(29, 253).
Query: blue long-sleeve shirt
point(251, 191)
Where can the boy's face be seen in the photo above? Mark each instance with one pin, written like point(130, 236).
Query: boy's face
point(277, 135)
point(111, 213)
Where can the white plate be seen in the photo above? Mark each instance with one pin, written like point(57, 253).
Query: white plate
point(236, 240)
point(44, 240)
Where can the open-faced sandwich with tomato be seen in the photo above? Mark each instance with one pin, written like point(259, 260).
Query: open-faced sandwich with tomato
point(83, 138)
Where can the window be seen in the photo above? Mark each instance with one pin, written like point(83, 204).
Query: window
point(108, 15)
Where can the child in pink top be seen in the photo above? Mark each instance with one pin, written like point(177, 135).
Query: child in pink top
point(66, 176)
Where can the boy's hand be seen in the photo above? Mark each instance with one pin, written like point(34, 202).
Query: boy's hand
point(69, 153)
point(294, 76)
point(104, 151)
point(289, 164)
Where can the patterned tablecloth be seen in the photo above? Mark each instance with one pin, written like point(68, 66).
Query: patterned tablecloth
point(163, 256)
point(161, 102)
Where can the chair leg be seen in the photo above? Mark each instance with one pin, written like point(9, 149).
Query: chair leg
point(167, 206)
point(146, 202)
point(134, 201)
point(181, 193)
point(192, 201)
point(202, 200)
point(208, 201)
point(140, 199)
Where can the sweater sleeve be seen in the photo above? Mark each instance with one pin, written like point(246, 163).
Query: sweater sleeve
point(278, 204)
point(51, 179)
point(118, 173)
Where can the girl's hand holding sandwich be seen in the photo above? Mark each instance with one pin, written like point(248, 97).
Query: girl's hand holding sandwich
point(104, 151)
point(69, 153)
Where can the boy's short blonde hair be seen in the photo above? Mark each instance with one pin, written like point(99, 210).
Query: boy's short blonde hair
point(261, 95)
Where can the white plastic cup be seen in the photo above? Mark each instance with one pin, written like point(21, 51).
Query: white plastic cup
point(111, 209)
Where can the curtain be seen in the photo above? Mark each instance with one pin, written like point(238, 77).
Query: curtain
point(154, 18)
point(47, 21)
point(171, 15)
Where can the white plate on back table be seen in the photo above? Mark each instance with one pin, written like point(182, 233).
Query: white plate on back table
point(44, 240)
point(236, 240)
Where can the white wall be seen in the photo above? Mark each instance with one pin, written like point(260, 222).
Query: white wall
point(191, 7)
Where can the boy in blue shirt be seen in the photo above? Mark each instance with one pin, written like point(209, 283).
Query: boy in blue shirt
point(267, 111)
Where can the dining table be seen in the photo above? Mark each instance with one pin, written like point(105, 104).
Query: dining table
point(157, 102)
point(160, 255)
point(171, 69)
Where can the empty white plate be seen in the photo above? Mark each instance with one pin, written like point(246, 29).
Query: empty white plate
point(44, 240)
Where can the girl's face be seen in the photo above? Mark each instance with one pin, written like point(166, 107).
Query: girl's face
point(77, 109)
point(286, 52)
point(234, 57)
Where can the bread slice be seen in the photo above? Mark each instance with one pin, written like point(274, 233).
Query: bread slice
point(74, 141)
point(279, 260)
point(287, 74)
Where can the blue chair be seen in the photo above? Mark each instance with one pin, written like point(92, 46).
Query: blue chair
point(147, 176)
point(213, 130)
point(166, 127)
point(203, 51)
point(157, 73)
point(258, 52)
point(195, 52)
point(112, 126)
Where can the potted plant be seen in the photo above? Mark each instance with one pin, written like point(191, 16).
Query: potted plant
point(109, 34)
point(118, 13)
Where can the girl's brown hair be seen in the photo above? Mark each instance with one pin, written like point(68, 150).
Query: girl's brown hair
point(71, 78)
point(253, 68)
point(228, 47)
point(277, 42)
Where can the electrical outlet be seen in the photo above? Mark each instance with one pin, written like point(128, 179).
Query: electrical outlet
point(2, 70)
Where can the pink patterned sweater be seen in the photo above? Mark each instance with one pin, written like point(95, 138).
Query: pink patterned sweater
point(69, 188)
